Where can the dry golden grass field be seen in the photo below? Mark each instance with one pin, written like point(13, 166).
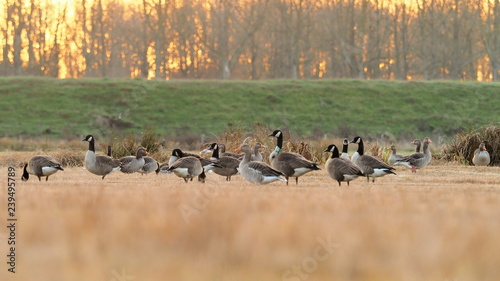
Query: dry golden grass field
point(442, 223)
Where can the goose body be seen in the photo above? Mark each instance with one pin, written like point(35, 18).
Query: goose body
point(255, 171)
point(341, 169)
point(394, 156)
point(417, 160)
point(207, 164)
point(289, 163)
point(227, 166)
point(370, 166)
point(150, 165)
point(132, 164)
point(187, 168)
point(345, 146)
point(41, 166)
point(100, 165)
point(481, 156)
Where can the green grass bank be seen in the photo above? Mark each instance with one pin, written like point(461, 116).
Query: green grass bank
point(44, 107)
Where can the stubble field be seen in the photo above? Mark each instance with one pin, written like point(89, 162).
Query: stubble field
point(439, 224)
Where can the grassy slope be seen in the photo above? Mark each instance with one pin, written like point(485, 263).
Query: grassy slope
point(65, 108)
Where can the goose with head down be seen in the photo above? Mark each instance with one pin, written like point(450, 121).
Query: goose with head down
point(289, 163)
point(132, 164)
point(41, 166)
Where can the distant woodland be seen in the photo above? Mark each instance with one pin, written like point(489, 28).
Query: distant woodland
point(251, 39)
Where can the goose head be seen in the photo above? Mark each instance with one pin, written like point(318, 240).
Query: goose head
point(357, 140)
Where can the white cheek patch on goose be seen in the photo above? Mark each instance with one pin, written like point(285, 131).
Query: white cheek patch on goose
point(278, 134)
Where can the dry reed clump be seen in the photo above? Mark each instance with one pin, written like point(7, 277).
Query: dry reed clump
point(462, 147)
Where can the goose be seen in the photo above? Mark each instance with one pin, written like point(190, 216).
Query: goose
point(345, 146)
point(341, 169)
point(289, 163)
point(394, 156)
point(370, 166)
point(417, 160)
point(163, 168)
point(481, 156)
point(109, 151)
point(41, 166)
point(207, 164)
point(150, 165)
point(256, 155)
point(187, 168)
point(132, 164)
point(222, 152)
point(255, 171)
point(418, 143)
point(100, 165)
point(228, 166)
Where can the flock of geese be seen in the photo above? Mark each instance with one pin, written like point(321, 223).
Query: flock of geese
point(283, 165)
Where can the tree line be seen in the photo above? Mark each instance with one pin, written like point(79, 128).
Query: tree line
point(252, 39)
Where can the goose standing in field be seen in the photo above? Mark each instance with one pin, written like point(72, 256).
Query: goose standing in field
point(481, 156)
point(341, 169)
point(289, 163)
point(41, 166)
point(418, 143)
point(255, 171)
point(228, 165)
point(417, 160)
point(345, 146)
point(207, 164)
point(187, 168)
point(100, 165)
point(150, 165)
point(394, 156)
point(370, 166)
point(132, 164)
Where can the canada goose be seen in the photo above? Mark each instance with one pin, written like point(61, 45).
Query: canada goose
point(394, 156)
point(177, 153)
point(370, 166)
point(222, 152)
point(228, 165)
point(418, 143)
point(481, 156)
point(345, 146)
point(132, 164)
point(150, 165)
point(41, 166)
point(289, 163)
point(187, 168)
point(341, 169)
point(417, 160)
point(163, 168)
point(255, 171)
point(100, 165)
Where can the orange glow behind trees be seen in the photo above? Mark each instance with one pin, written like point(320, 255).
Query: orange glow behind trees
point(251, 39)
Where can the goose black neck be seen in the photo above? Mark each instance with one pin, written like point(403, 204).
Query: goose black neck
point(26, 175)
point(335, 153)
point(361, 148)
point(279, 141)
point(92, 145)
point(344, 148)
point(215, 153)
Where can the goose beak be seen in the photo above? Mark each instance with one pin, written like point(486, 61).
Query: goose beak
point(390, 148)
point(412, 142)
point(484, 147)
point(238, 149)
